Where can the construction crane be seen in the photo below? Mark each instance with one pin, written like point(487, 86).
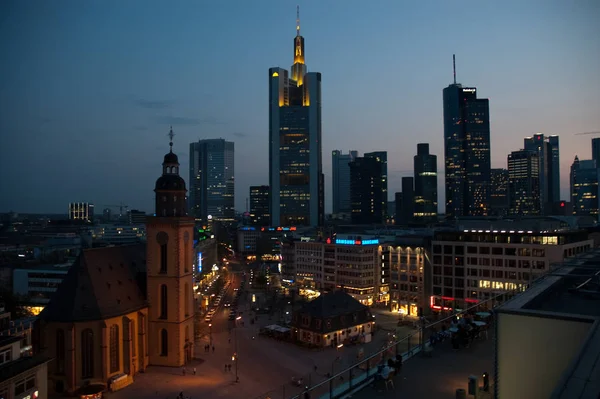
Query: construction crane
point(580, 134)
point(121, 207)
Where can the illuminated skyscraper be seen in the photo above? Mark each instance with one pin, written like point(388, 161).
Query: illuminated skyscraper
point(341, 180)
point(212, 179)
point(426, 198)
point(499, 193)
point(295, 153)
point(259, 205)
point(548, 154)
point(466, 151)
point(585, 177)
point(524, 183)
point(368, 188)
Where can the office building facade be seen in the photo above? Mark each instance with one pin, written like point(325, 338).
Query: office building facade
point(340, 169)
point(585, 177)
point(212, 183)
point(466, 151)
point(368, 189)
point(295, 146)
point(524, 183)
point(81, 211)
point(259, 205)
point(547, 149)
point(425, 198)
point(405, 202)
point(499, 192)
point(473, 266)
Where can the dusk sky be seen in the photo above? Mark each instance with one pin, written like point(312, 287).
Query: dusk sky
point(88, 88)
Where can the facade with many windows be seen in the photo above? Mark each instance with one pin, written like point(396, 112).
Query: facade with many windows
point(404, 270)
point(472, 266)
point(350, 263)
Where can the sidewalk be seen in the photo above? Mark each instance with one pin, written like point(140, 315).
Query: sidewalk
point(439, 376)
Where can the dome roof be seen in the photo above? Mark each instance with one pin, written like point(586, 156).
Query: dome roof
point(170, 182)
point(171, 158)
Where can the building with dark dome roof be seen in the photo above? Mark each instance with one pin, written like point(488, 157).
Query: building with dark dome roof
point(121, 309)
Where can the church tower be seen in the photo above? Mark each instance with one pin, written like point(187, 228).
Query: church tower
point(170, 235)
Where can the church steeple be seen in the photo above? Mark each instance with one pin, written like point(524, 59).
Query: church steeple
point(299, 67)
point(170, 187)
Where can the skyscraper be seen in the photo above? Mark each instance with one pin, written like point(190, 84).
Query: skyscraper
point(548, 154)
point(553, 170)
point(524, 183)
point(499, 192)
point(466, 151)
point(295, 156)
point(367, 192)
point(259, 205)
point(425, 200)
point(341, 180)
point(381, 157)
point(212, 179)
point(585, 177)
point(596, 150)
point(405, 202)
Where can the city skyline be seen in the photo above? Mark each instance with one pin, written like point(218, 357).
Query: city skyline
point(96, 102)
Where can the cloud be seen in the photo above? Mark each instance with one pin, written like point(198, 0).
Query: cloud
point(153, 104)
point(186, 121)
point(240, 134)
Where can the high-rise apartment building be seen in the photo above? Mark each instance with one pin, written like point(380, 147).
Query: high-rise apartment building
point(341, 180)
point(259, 205)
point(368, 188)
point(466, 151)
point(585, 177)
point(524, 183)
point(212, 179)
point(425, 200)
point(81, 211)
point(295, 145)
point(499, 192)
point(547, 149)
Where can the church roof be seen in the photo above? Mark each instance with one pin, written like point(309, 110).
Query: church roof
point(103, 283)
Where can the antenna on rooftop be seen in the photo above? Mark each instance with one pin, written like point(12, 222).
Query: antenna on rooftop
point(454, 66)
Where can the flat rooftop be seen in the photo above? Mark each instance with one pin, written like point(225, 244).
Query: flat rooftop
point(439, 376)
point(573, 289)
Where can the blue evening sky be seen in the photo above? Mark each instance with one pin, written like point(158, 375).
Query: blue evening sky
point(88, 88)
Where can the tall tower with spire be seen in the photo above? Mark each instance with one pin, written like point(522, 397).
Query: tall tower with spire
point(466, 150)
point(295, 153)
point(169, 248)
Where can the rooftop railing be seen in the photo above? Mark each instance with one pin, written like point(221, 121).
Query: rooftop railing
point(362, 372)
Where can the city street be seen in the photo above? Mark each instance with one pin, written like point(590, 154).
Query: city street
point(266, 366)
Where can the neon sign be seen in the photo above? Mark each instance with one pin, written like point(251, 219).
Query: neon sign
point(199, 262)
point(357, 242)
point(469, 90)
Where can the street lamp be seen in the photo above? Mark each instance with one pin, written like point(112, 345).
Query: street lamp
point(210, 333)
point(234, 358)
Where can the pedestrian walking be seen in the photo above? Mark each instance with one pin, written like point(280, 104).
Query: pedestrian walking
point(183, 370)
point(229, 340)
point(213, 349)
point(194, 370)
point(225, 367)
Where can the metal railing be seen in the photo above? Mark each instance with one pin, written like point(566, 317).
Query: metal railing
point(362, 372)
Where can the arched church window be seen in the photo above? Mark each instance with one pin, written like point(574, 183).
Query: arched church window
point(114, 348)
point(87, 353)
point(163, 302)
